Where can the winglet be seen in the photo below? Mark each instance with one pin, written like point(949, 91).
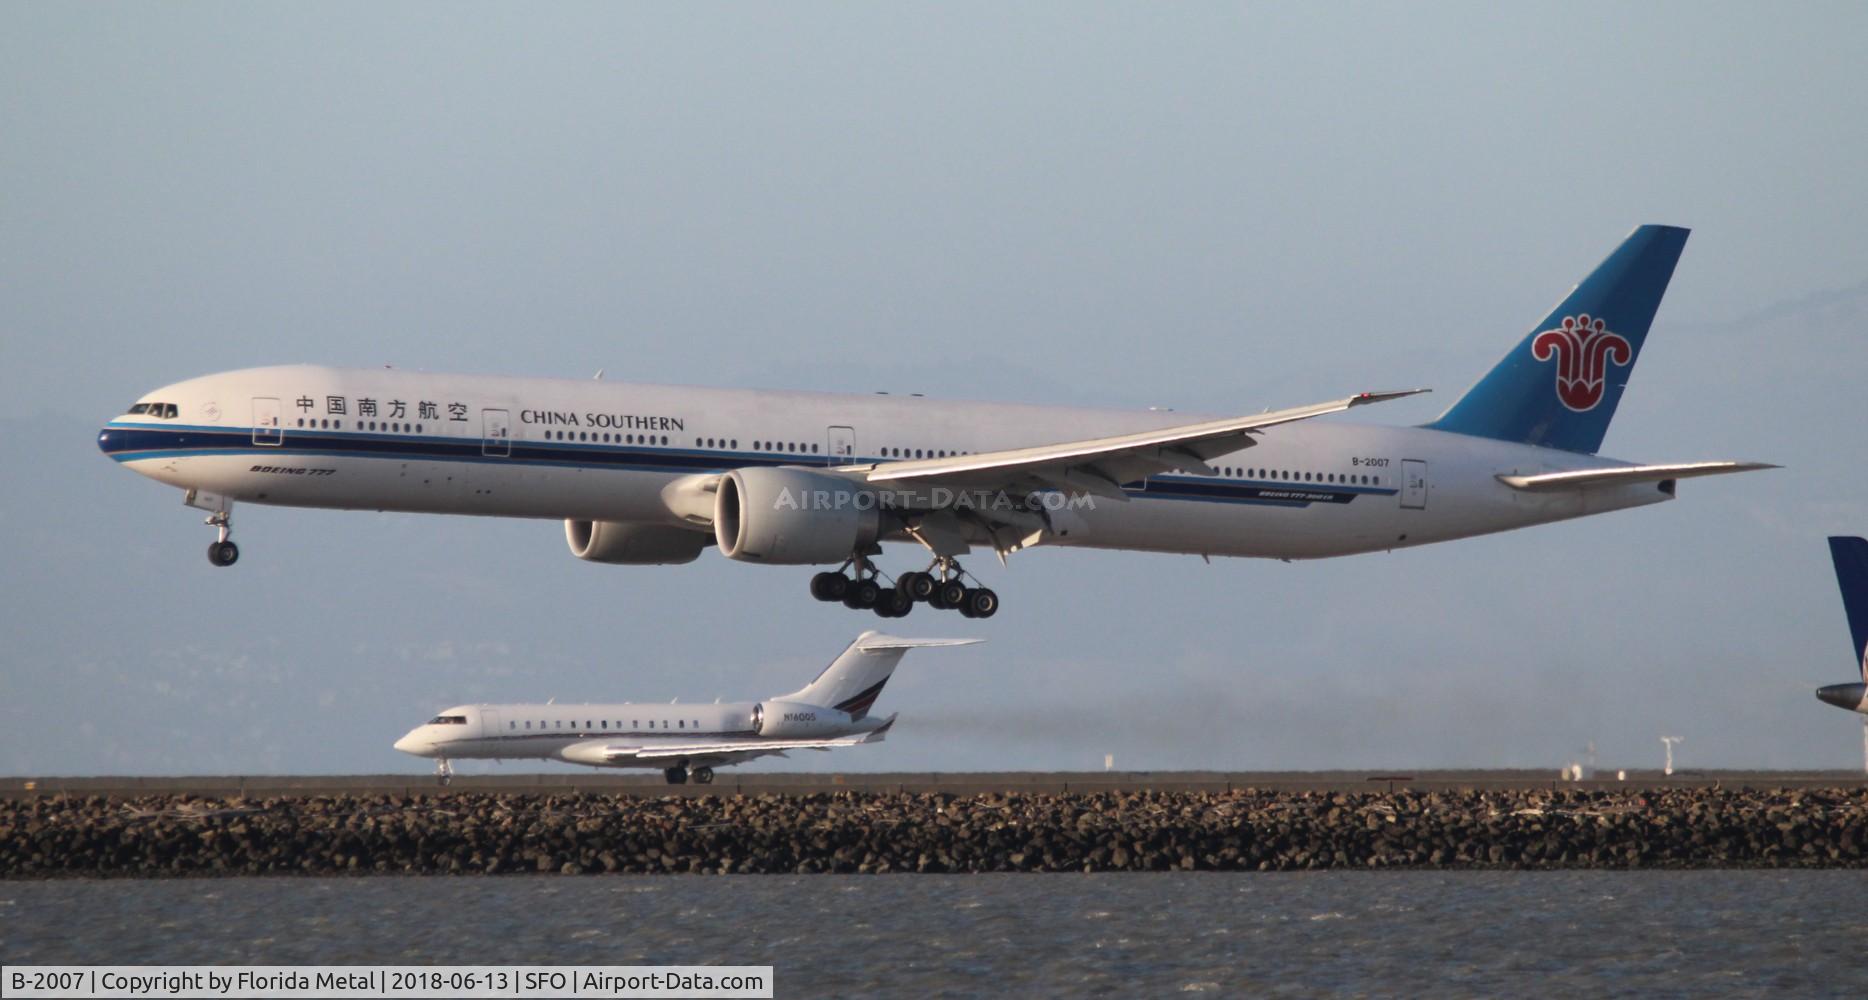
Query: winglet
point(881, 732)
point(1365, 398)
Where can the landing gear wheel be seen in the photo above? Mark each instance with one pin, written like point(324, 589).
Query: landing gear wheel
point(444, 772)
point(919, 586)
point(829, 586)
point(950, 594)
point(223, 553)
point(893, 602)
point(702, 775)
point(862, 594)
point(980, 603)
point(678, 775)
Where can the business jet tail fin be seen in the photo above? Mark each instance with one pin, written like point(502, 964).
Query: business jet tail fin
point(854, 680)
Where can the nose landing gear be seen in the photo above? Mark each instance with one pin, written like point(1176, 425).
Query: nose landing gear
point(222, 551)
point(444, 772)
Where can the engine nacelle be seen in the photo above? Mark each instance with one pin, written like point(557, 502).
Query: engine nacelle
point(792, 516)
point(797, 720)
point(632, 544)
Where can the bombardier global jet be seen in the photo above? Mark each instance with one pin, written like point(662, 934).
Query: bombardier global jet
point(682, 740)
point(654, 474)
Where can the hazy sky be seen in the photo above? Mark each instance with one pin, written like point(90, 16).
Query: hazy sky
point(1214, 207)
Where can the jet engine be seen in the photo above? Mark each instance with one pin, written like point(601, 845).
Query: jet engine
point(796, 720)
point(792, 516)
point(633, 544)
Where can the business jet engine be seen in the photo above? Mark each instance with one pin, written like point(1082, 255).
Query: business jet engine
point(797, 720)
point(632, 544)
point(792, 516)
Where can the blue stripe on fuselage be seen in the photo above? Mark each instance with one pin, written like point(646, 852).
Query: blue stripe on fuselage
point(140, 442)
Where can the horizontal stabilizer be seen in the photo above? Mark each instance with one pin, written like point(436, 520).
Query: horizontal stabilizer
point(1623, 475)
point(876, 641)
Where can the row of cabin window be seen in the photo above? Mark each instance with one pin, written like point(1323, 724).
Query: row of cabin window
point(1356, 479)
point(920, 453)
point(321, 423)
point(634, 724)
point(605, 438)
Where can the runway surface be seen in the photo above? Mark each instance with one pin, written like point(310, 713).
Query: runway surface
point(970, 783)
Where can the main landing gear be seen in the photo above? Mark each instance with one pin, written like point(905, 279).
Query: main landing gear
point(947, 590)
point(679, 775)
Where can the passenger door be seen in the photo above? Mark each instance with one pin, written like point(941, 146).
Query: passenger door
point(1413, 484)
point(267, 430)
point(495, 433)
point(842, 444)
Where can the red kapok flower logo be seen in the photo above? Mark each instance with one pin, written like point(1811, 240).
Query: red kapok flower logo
point(1583, 349)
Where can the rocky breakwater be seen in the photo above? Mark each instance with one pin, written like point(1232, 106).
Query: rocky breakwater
point(852, 832)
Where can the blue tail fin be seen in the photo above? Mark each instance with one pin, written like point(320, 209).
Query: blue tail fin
point(1559, 387)
point(1851, 556)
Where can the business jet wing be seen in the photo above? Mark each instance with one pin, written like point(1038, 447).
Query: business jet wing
point(1622, 475)
point(1100, 466)
point(611, 752)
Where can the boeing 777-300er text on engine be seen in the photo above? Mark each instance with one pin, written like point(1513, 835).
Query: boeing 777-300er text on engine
point(831, 711)
point(653, 474)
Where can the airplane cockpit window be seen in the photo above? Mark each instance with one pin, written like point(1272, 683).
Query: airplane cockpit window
point(164, 411)
point(448, 720)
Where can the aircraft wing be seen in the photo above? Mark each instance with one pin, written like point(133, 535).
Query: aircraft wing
point(1622, 475)
point(1100, 466)
point(618, 752)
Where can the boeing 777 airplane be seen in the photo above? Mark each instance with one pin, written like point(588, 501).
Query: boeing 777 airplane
point(653, 474)
point(683, 740)
point(1851, 558)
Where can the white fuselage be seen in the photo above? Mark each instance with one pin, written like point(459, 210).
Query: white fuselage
point(545, 732)
point(309, 436)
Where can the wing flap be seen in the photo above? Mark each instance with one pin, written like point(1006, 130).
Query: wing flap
point(1583, 479)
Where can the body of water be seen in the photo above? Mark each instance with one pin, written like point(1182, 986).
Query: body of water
point(1699, 933)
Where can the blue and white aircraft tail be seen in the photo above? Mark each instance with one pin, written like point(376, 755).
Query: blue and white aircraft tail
point(1851, 559)
point(1594, 336)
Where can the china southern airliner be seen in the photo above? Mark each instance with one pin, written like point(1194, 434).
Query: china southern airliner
point(654, 474)
point(683, 740)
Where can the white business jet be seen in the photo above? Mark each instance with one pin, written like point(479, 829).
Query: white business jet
point(683, 740)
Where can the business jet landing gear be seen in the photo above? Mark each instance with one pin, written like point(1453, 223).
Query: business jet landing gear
point(702, 775)
point(444, 772)
point(862, 589)
point(677, 775)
